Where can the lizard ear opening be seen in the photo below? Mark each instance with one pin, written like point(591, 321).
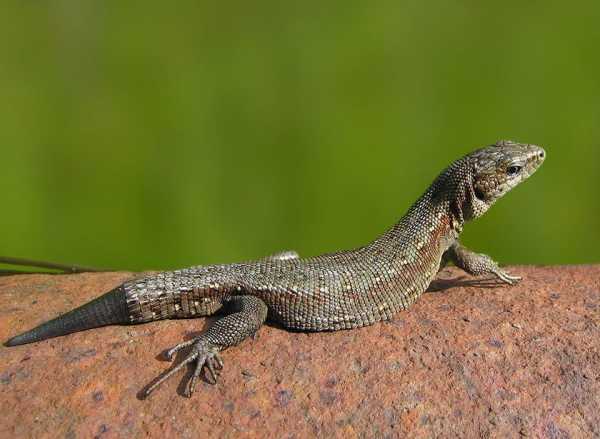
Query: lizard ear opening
point(479, 194)
point(476, 203)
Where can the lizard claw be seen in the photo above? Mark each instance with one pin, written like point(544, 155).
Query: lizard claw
point(506, 277)
point(210, 358)
point(171, 352)
point(203, 353)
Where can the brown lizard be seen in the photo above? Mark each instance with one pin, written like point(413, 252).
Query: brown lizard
point(342, 290)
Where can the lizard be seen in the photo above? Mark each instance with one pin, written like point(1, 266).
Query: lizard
point(342, 290)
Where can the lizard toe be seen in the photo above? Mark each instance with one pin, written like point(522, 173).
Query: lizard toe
point(203, 353)
point(206, 356)
point(506, 277)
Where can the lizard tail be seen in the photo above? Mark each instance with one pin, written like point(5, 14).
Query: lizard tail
point(109, 309)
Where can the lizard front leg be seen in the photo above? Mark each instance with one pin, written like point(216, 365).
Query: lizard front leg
point(248, 313)
point(476, 263)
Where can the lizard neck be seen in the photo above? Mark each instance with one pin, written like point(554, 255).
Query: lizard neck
point(428, 221)
point(434, 221)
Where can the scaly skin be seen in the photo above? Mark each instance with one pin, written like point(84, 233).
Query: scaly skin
point(334, 291)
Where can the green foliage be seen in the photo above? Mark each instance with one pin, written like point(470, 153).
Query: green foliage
point(162, 135)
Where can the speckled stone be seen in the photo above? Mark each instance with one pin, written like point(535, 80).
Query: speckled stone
point(470, 358)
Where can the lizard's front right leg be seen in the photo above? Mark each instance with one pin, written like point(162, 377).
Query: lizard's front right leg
point(476, 263)
point(248, 313)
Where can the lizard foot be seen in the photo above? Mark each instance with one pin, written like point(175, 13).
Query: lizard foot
point(507, 277)
point(203, 353)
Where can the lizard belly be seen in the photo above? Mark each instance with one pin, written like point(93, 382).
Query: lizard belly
point(372, 288)
point(361, 301)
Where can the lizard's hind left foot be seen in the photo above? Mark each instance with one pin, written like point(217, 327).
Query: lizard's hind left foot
point(203, 353)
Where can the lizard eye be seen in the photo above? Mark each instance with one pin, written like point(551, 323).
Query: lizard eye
point(513, 170)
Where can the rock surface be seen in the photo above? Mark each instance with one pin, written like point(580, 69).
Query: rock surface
point(470, 358)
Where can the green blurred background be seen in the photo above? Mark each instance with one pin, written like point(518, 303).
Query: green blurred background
point(159, 135)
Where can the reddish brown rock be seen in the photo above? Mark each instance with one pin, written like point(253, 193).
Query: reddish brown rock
point(466, 360)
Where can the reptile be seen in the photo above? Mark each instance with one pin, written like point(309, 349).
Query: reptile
point(342, 290)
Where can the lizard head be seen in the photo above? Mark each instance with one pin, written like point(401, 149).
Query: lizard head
point(497, 169)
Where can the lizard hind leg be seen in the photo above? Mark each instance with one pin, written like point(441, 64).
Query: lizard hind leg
point(202, 353)
point(247, 314)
